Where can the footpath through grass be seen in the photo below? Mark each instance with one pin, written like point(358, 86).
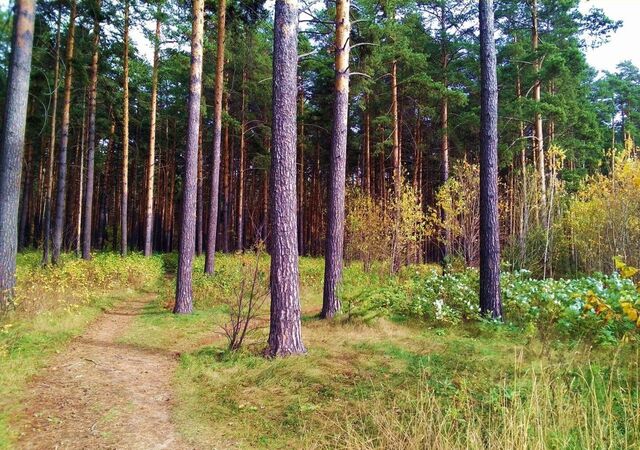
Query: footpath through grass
point(54, 305)
point(381, 378)
point(407, 365)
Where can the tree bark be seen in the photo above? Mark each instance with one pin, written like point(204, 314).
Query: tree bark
point(334, 244)
point(13, 131)
point(184, 289)
point(61, 191)
point(91, 147)
point(395, 155)
point(80, 186)
point(241, 166)
point(537, 88)
point(285, 337)
point(301, 249)
point(209, 266)
point(490, 302)
point(124, 199)
point(151, 160)
point(367, 148)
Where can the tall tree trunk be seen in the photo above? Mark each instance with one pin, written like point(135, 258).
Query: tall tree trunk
point(151, 161)
point(124, 199)
point(209, 265)
point(25, 204)
point(301, 249)
point(285, 334)
point(52, 146)
point(241, 166)
point(11, 152)
point(538, 142)
point(184, 289)
point(80, 185)
point(395, 124)
point(524, 210)
point(91, 148)
point(395, 157)
point(334, 244)
point(61, 192)
point(367, 148)
point(490, 303)
point(200, 195)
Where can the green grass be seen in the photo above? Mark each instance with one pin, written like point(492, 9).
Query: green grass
point(54, 305)
point(368, 381)
point(395, 382)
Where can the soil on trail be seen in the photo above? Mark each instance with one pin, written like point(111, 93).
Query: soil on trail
point(100, 393)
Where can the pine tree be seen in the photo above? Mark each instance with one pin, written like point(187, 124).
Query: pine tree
point(184, 289)
point(13, 132)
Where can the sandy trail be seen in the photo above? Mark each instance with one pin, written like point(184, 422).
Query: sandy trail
point(101, 394)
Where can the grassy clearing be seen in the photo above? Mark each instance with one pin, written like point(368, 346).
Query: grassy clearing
point(54, 305)
point(376, 377)
point(388, 381)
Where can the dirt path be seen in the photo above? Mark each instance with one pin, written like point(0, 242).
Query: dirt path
point(102, 394)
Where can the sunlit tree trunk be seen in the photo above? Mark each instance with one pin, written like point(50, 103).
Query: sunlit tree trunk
point(184, 289)
point(538, 141)
point(124, 195)
point(209, 266)
point(334, 243)
point(11, 152)
point(490, 303)
point(285, 334)
point(151, 160)
point(241, 166)
point(91, 146)
point(61, 191)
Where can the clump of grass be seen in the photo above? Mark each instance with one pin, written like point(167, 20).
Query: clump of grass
point(544, 406)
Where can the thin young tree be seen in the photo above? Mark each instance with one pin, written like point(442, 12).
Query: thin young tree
point(148, 228)
point(61, 191)
point(46, 245)
point(337, 166)
point(285, 334)
point(490, 302)
point(13, 130)
point(538, 141)
point(209, 265)
point(91, 146)
point(124, 194)
point(184, 288)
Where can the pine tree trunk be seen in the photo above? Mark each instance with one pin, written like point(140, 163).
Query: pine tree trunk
point(52, 145)
point(209, 266)
point(61, 191)
point(490, 303)
point(334, 244)
point(151, 161)
point(11, 152)
point(184, 289)
point(124, 199)
point(80, 188)
point(25, 204)
point(537, 88)
point(367, 148)
point(91, 148)
point(285, 337)
point(301, 249)
point(241, 167)
point(200, 196)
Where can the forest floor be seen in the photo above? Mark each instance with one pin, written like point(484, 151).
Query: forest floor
point(123, 371)
point(101, 393)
